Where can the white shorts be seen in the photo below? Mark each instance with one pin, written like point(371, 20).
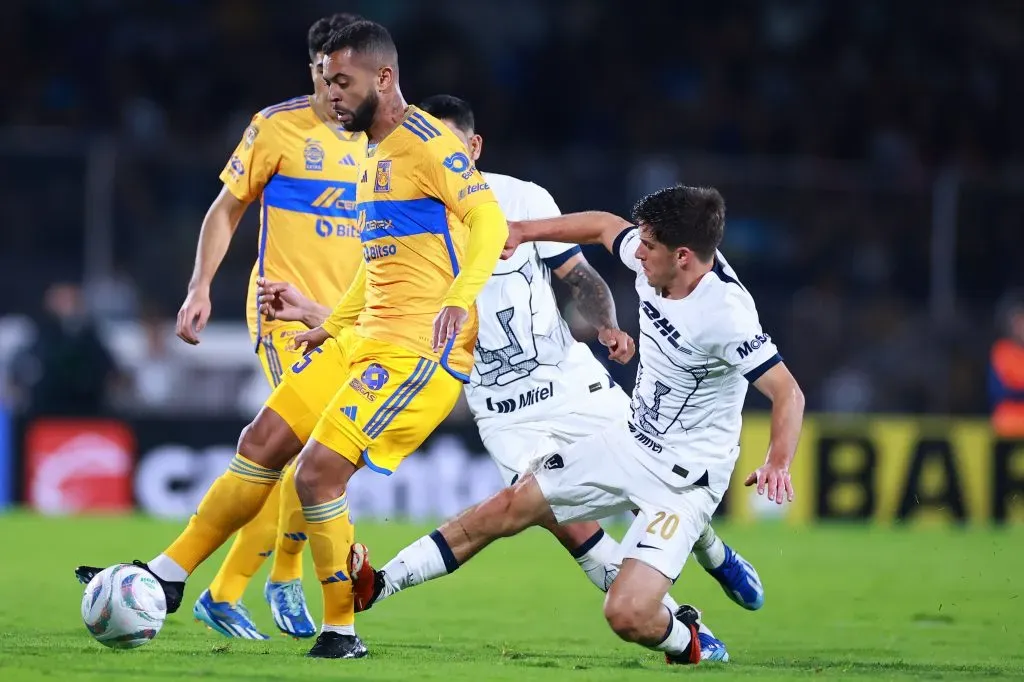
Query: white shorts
point(514, 445)
point(600, 476)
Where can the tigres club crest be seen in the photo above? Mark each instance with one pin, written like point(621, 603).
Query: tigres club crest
point(382, 181)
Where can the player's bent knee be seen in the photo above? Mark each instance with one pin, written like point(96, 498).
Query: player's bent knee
point(629, 613)
point(268, 441)
point(625, 618)
point(307, 472)
point(506, 513)
point(321, 474)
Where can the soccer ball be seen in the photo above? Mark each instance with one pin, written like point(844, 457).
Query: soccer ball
point(123, 607)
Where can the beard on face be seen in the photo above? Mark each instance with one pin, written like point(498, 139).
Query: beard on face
point(362, 117)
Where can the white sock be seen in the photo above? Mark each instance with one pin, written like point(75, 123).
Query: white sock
point(709, 550)
point(340, 629)
point(677, 639)
point(426, 559)
point(166, 568)
point(599, 559)
point(601, 562)
point(671, 604)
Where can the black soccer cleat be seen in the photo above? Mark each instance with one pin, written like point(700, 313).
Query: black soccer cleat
point(689, 617)
point(173, 591)
point(85, 574)
point(337, 645)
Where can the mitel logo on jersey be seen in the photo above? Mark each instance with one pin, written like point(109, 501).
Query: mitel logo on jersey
point(314, 155)
point(750, 346)
point(644, 439)
point(382, 180)
point(472, 189)
point(531, 397)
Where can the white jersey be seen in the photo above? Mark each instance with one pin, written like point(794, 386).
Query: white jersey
point(697, 356)
point(526, 362)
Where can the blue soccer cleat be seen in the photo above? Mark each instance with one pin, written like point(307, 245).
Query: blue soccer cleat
point(288, 604)
point(739, 580)
point(230, 620)
point(712, 648)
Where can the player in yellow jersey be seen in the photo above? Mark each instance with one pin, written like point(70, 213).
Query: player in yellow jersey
point(388, 365)
point(302, 167)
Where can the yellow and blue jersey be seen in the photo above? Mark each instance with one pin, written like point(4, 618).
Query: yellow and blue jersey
point(416, 188)
point(304, 171)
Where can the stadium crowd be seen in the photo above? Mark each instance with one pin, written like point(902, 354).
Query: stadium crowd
point(819, 122)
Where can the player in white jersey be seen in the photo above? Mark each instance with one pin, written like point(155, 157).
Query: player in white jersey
point(534, 388)
point(673, 456)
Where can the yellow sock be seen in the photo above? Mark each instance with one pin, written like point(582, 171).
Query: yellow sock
point(252, 545)
point(231, 502)
point(291, 532)
point(330, 538)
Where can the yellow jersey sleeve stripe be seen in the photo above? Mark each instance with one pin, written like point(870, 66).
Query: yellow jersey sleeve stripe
point(301, 102)
point(421, 127)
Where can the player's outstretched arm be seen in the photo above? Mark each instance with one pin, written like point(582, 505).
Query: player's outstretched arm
point(595, 303)
point(779, 385)
point(488, 232)
point(282, 301)
point(219, 226)
point(588, 227)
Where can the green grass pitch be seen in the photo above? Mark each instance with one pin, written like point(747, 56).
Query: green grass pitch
point(843, 602)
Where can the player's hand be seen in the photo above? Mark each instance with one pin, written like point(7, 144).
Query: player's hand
point(281, 301)
point(193, 315)
point(620, 345)
point(448, 324)
point(307, 341)
point(515, 238)
point(773, 478)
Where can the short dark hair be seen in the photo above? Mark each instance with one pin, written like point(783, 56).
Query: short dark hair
point(678, 216)
point(451, 108)
point(366, 38)
point(322, 29)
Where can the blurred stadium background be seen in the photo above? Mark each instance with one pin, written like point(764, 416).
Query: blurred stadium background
point(871, 155)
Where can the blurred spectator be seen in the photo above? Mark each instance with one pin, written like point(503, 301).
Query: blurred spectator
point(67, 370)
point(824, 125)
point(1006, 370)
point(159, 375)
